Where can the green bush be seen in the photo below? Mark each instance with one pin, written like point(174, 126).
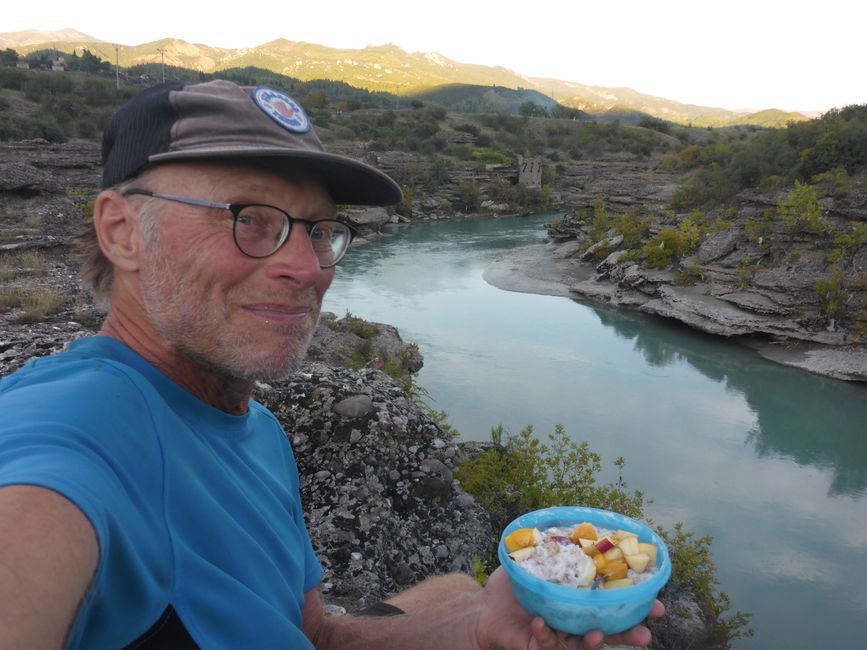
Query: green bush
point(671, 244)
point(491, 157)
point(526, 474)
point(832, 183)
point(632, 227)
point(601, 221)
point(800, 210)
point(831, 293)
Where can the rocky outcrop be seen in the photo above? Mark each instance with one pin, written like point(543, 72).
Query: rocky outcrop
point(383, 507)
point(751, 276)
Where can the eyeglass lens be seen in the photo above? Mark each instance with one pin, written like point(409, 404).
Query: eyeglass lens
point(260, 230)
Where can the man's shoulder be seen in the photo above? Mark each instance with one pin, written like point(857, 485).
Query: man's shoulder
point(80, 376)
point(77, 363)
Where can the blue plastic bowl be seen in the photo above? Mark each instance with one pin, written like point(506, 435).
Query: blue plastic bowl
point(578, 611)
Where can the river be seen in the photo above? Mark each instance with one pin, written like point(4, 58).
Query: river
point(770, 461)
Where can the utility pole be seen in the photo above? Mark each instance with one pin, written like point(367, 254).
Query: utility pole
point(117, 65)
point(162, 52)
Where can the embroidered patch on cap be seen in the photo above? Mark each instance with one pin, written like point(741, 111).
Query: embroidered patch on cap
point(282, 109)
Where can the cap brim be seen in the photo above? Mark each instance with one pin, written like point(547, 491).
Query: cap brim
point(347, 180)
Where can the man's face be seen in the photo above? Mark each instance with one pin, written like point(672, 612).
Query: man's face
point(246, 318)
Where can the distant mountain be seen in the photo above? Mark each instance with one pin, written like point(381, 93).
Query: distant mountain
point(388, 68)
point(466, 98)
point(16, 40)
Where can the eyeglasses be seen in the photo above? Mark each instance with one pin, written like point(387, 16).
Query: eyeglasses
point(260, 230)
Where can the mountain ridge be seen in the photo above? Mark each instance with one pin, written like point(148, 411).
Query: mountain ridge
point(383, 68)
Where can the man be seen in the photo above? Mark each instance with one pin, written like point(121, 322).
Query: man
point(146, 501)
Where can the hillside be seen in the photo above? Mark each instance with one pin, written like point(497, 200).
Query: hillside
point(384, 68)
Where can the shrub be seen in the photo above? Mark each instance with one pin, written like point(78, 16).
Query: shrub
point(832, 183)
point(847, 243)
point(360, 327)
point(757, 231)
point(831, 293)
point(526, 474)
point(671, 244)
point(633, 227)
point(469, 195)
point(491, 157)
point(746, 271)
point(800, 209)
point(601, 222)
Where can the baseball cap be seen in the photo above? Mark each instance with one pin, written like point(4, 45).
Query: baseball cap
point(220, 120)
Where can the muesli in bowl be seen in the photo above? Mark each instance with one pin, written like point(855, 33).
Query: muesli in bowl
point(582, 569)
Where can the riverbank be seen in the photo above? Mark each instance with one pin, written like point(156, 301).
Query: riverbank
point(550, 269)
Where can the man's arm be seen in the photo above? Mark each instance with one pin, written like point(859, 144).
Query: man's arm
point(48, 556)
point(485, 619)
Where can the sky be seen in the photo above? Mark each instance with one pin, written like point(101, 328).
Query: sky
point(794, 55)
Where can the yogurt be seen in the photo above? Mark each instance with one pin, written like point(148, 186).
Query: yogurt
point(561, 555)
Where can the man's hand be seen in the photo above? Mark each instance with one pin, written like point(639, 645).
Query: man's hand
point(503, 625)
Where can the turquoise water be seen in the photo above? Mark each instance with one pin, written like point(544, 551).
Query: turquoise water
point(771, 461)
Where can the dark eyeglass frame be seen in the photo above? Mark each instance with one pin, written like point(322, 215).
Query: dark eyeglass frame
point(237, 208)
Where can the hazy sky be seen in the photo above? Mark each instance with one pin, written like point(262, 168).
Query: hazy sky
point(737, 54)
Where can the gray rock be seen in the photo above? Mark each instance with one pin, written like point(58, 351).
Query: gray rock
point(356, 406)
point(21, 177)
point(717, 245)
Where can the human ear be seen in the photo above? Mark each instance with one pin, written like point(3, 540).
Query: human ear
point(116, 226)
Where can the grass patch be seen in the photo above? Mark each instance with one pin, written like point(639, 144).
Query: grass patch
point(32, 262)
point(9, 299)
point(39, 305)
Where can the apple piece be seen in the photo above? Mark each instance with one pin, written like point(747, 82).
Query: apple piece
point(650, 549)
point(560, 539)
point(629, 545)
point(589, 548)
point(604, 544)
point(522, 554)
point(638, 562)
point(584, 531)
point(586, 580)
point(522, 537)
point(616, 584)
point(615, 553)
point(623, 534)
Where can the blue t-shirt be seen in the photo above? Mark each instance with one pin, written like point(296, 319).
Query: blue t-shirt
point(197, 512)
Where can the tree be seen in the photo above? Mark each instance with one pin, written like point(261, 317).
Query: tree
point(532, 109)
point(8, 57)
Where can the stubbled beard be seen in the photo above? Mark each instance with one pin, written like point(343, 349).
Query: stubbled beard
point(196, 326)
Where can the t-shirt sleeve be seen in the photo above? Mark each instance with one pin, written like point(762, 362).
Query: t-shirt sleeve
point(68, 439)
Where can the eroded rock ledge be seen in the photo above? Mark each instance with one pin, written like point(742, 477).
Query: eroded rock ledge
point(773, 320)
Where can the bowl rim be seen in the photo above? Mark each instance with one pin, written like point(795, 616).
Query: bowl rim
point(560, 515)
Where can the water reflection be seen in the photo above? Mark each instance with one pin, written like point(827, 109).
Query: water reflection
point(788, 422)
